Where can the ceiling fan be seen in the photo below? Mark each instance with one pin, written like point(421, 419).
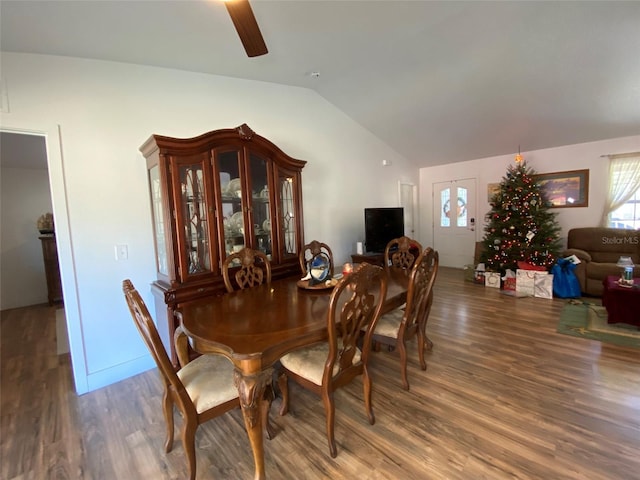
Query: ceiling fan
point(247, 27)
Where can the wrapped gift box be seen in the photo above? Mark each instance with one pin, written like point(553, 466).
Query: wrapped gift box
point(543, 285)
point(492, 279)
point(478, 275)
point(525, 281)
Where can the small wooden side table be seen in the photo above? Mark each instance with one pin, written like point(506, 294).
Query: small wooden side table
point(622, 303)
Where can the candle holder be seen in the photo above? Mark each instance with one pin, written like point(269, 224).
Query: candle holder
point(626, 275)
point(347, 268)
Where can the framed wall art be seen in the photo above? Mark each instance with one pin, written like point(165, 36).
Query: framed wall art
point(565, 189)
point(492, 189)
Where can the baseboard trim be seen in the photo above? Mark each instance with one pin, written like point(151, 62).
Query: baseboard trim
point(120, 372)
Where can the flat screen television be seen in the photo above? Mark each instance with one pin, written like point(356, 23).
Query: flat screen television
point(382, 225)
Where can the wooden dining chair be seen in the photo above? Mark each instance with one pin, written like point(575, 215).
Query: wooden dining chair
point(201, 389)
point(255, 269)
point(397, 327)
point(312, 249)
point(355, 302)
point(402, 252)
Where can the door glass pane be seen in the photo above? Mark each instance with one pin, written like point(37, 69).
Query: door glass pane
point(194, 212)
point(287, 211)
point(158, 220)
point(445, 207)
point(461, 214)
point(260, 202)
point(231, 188)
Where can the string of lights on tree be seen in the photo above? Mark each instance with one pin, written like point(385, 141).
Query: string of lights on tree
point(520, 227)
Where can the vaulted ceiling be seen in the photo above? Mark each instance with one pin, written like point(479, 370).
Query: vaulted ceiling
point(438, 81)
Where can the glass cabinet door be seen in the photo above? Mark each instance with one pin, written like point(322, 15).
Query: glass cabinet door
point(192, 193)
point(230, 188)
point(157, 208)
point(286, 213)
point(260, 204)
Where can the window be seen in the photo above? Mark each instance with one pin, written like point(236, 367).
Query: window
point(623, 200)
point(628, 215)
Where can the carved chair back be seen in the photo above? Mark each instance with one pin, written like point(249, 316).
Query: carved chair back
point(420, 292)
point(312, 249)
point(365, 291)
point(254, 270)
point(402, 252)
point(144, 322)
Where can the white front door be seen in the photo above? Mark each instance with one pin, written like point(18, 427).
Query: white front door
point(454, 212)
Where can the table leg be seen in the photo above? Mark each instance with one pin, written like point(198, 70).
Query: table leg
point(251, 391)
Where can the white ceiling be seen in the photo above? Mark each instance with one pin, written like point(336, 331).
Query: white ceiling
point(438, 81)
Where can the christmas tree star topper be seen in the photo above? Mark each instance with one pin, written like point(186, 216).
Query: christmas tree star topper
point(519, 158)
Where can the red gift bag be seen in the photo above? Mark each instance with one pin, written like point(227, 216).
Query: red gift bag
point(509, 284)
point(509, 280)
point(529, 266)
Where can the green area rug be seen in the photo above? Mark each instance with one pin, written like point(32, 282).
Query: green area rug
point(590, 321)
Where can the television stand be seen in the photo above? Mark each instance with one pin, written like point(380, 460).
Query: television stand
point(369, 257)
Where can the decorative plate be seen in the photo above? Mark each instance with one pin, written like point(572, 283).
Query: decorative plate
point(236, 223)
point(266, 225)
point(234, 189)
point(319, 267)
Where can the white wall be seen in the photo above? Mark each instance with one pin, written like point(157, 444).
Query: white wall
point(493, 169)
point(105, 111)
point(24, 196)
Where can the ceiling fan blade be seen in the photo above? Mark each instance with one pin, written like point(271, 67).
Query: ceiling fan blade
point(247, 27)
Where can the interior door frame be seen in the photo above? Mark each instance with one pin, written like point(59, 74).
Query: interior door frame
point(57, 184)
point(414, 206)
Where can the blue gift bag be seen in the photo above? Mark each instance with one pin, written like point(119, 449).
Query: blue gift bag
point(565, 282)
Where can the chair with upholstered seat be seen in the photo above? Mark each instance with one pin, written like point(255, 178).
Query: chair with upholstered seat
point(254, 269)
point(402, 252)
point(312, 249)
point(397, 327)
point(355, 303)
point(202, 389)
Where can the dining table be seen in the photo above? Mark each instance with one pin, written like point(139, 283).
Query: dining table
point(256, 326)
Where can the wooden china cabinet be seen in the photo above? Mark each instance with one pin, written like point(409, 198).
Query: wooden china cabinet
point(210, 196)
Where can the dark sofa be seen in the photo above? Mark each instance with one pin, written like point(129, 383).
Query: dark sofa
point(599, 250)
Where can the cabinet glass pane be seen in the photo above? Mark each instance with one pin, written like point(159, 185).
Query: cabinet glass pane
point(288, 218)
point(194, 212)
point(260, 201)
point(231, 189)
point(158, 219)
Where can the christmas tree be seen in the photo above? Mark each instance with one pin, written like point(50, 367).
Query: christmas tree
point(520, 226)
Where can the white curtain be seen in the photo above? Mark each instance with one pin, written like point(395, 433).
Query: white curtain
point(624, 181)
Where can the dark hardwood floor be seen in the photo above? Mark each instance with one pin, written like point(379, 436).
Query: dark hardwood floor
point(504, 397)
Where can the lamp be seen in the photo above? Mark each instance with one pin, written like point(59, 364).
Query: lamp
point(626, 264)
